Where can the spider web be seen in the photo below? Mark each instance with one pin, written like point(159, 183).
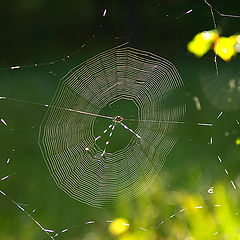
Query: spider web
point(214, 17)
point(83, 162)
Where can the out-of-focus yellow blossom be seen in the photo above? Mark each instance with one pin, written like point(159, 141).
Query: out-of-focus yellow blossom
point(118, 226)
point(237, 141)
point(224, 47)
point(202, 42)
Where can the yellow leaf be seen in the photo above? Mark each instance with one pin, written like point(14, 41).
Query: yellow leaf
point(202, 42)
point(118, 226)
point(224, 47)
point(237, 141)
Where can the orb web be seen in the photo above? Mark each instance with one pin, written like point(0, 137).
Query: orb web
point(112, 122)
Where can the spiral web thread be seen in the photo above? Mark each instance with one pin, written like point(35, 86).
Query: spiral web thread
point(96, 176)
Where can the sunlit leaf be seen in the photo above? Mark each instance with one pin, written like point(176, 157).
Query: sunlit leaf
point(224, 47)
point(202, 42)
point(118, 226)
point(237, 141)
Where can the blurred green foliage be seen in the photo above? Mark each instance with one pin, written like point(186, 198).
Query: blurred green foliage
point(181, 216)
point(40, 31)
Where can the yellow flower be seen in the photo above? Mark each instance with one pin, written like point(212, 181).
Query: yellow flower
point(237, 141)
point(202, 42)
point(118, 226)
point(224, 47)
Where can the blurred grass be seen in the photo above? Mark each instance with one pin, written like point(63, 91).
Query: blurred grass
point(158, 211)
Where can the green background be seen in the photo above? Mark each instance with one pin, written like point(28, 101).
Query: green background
point(44, 31)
